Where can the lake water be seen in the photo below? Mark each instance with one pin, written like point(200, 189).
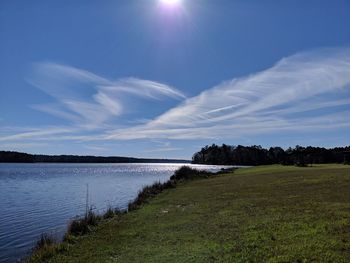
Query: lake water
point(42, 198)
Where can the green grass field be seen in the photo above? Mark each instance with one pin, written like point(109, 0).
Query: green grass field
point(260, 214)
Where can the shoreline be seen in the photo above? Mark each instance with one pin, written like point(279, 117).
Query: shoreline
point(62, 197)
point(81, 226)
point(266, 209)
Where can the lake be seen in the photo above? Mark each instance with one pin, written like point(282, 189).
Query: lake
point(43, 198)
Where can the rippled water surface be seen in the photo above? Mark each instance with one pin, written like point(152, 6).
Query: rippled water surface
point(38, 198)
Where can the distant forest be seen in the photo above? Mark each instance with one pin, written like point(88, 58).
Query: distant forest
point(18, 157)
point(256, 155)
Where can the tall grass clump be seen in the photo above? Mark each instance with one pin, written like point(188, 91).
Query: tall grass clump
point(112, 212)
point(188, 173)
point(148, 192)
point(182, 174)
point(82, 226)
point(45, 247)
point(45, 240)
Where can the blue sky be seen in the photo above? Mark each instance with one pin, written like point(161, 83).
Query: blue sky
point(149, 79)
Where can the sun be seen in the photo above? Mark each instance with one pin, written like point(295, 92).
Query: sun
point(171, 2)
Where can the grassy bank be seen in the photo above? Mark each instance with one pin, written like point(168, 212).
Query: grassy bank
point(261, 214)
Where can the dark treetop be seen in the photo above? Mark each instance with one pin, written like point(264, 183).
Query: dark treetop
point(256, 155)
point(17, 157)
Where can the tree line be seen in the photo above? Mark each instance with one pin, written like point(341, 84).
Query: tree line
point(256, 155)
point(18, 157)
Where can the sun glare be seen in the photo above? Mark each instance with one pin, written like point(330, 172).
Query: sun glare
point(170, 2)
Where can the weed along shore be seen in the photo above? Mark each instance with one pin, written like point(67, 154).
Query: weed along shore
point(47, 246)
point(268, 213)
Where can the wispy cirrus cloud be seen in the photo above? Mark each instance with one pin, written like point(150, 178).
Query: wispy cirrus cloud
point(85, 98)
point(307, 91)
point(37, 133)
point(161, 150)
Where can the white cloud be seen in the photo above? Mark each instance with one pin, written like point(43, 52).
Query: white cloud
point(307, 92)
point(57, 110)
point(22, 146)
point(38, 133)
point(266, 101)
point(87, 99)
point(161, 150)
point(143, 88)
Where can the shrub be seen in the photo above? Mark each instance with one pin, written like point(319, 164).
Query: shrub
point(184, 173)
point(118, 211)
point(78, 227)
point(188, 173)
point(45, 248)
point(45, 240)
point(92, 218)
point(82, 226)
point(70, 239)
point(110, 213)
point(148, 192)
point(227, 170)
